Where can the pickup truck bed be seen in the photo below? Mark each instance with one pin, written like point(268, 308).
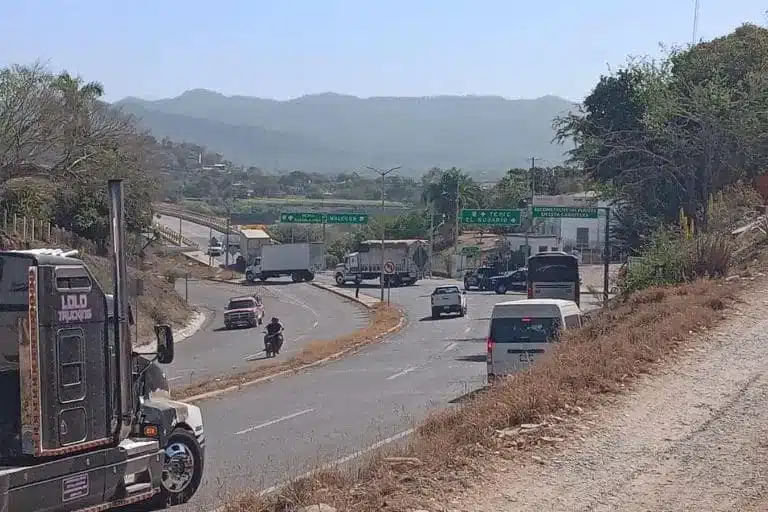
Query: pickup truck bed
point(448, 299)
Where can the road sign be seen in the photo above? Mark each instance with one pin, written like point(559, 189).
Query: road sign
point(346, 218)
point(302, 218)
point(389, 268)
point(491, 217)
point(471, 250)
point(565, 212)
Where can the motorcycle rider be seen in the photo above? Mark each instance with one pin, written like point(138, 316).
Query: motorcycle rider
point(275, 328)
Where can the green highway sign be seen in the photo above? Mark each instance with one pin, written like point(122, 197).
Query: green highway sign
point(302, 218)
point(565, 212)
point(470, 250)
point(491, 217)
point(346, 218)
point(324, 218)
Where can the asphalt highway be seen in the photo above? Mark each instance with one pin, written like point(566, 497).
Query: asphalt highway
point(307, 313)
point(258, 437)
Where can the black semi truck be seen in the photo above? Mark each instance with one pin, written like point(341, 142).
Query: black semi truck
point(86, 423)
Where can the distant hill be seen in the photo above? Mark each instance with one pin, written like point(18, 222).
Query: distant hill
point(333, 132)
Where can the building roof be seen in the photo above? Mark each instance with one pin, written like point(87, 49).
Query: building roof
point(255, 234)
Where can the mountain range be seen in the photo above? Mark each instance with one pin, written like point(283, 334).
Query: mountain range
point(333, 132)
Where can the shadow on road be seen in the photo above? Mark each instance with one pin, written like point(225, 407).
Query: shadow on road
point(221, 328)
point(467, 397)
point(477, 358)
point(441, 317)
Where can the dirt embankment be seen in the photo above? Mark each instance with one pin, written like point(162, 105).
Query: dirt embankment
point(520, 426)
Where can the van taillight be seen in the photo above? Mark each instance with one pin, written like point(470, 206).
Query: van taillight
point(490, 343)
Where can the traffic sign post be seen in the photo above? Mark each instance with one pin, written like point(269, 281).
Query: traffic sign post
point(564, 212)
point(389, 269)
point(491, 217)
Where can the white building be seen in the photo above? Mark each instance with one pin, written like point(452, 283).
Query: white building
point(581, 234)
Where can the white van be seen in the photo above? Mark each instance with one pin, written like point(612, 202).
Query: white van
point(522, 329)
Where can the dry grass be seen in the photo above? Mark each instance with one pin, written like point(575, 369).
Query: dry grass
point(599, 360)
point(382, 319)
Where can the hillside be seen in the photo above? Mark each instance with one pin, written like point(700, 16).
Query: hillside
point(332, 132)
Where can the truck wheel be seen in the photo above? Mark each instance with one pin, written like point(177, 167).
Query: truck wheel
point(501, 289)
point(310, 276)
point(435, 313)
point(263, 278)
point(295, 277)
point(249, 276)
point(182, 469)
point(339, 279)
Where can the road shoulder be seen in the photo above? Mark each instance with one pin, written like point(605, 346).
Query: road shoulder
point(689, 437)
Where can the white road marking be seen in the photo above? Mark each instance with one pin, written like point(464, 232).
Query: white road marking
point(254, 356)
point(315, 324)
point(342, 460)
point(450, 346)
point(399, 374)
point(174, 378)
point(272, 422)
point(469, 328)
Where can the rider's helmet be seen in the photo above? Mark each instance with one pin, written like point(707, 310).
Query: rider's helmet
point(275, 320)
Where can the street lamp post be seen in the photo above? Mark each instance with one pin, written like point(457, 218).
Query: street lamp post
point(383, 174)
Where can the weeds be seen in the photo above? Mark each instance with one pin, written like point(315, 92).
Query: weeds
point(595, 361)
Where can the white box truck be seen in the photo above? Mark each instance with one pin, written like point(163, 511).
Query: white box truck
point(300, 261)
point(409, 258)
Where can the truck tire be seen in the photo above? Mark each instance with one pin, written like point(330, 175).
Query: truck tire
point(182, 469)
point(310, 276)
point(296, 277)
point(339, 279)
point(249, 277)
point(435, 313)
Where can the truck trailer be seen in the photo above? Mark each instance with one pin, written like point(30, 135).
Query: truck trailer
point(409, 258)
point(300, 261)
point(87, 423)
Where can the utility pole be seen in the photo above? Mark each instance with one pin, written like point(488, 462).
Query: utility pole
point(382, 174)
point(431, 233)
point(529, 219)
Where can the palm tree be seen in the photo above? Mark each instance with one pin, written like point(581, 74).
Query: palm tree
point(77, 100)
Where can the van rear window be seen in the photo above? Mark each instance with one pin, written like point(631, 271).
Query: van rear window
point(524, 330)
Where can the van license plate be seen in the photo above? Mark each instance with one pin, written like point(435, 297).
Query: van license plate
point(446, 308)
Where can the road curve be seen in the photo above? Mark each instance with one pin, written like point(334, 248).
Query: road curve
point(308, 314)
point(259, 436)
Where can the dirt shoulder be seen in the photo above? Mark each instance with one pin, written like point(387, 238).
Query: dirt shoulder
point(689, 437)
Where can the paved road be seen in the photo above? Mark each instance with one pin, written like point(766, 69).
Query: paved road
point(197, 233)
point(307, 312)
point(259, 436)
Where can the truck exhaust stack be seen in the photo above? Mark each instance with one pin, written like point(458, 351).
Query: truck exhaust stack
point(122, 330)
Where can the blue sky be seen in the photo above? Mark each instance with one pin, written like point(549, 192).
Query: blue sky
point(286, 49)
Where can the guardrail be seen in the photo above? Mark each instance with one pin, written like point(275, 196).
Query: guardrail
point(216, 223)
point(173, 236)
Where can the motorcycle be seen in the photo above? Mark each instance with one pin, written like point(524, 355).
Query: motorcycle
point(273, 343)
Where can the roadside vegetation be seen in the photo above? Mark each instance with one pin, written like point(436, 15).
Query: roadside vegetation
point(679, 146)
point(59, 144)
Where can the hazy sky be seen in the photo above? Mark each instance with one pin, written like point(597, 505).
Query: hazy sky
point(363, 47)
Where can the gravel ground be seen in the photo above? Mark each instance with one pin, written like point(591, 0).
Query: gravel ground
point(690, 437)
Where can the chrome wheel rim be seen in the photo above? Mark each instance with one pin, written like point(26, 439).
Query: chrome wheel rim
point(179, 467)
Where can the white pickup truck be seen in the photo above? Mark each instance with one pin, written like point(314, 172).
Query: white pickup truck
point(448, 299)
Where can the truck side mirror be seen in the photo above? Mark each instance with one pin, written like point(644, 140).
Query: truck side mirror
point(164, 336)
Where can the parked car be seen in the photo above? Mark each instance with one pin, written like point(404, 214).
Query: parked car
point(479, 278)
point(448, 299)
point(244, 312)
point(516, 280)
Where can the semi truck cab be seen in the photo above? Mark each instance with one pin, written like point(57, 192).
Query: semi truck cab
point(87, 423)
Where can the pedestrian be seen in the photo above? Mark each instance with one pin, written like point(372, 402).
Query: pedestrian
point(357, 288)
